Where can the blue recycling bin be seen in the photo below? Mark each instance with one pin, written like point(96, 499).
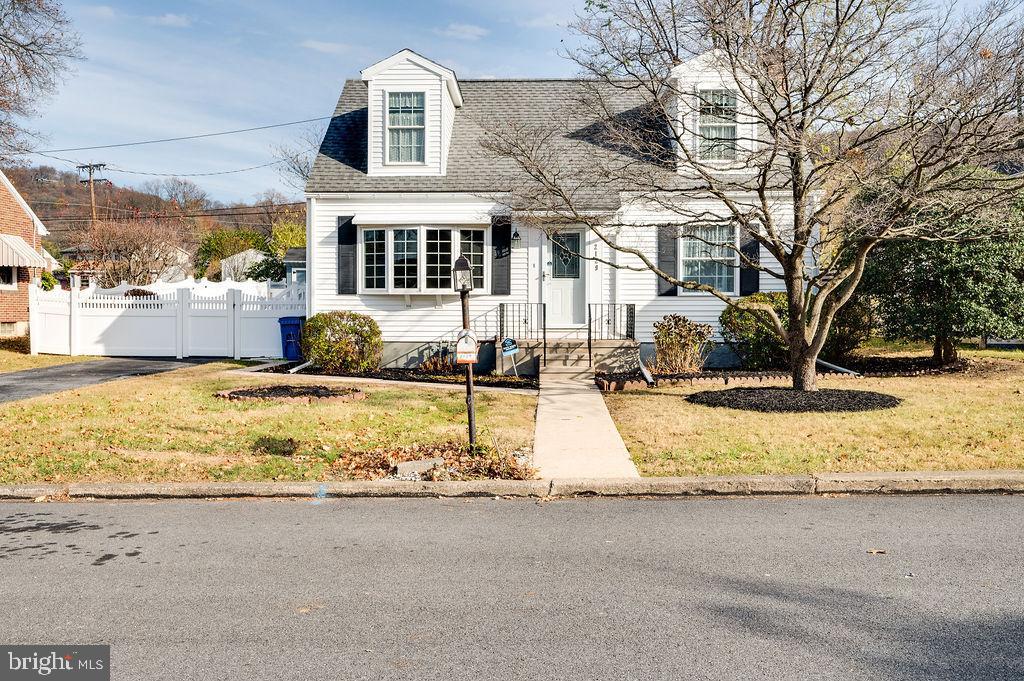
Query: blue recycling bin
point(291, 335)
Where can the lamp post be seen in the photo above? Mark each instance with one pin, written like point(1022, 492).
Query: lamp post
point(462, 278)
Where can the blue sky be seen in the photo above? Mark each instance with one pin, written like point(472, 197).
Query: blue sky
point(166, 69)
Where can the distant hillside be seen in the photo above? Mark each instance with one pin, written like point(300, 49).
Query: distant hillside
point(62, 202)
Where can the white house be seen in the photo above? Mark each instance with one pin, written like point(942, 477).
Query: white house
point(401, 186)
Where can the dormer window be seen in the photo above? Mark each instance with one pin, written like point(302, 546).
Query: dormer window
point(717, 125)
point(406, 132)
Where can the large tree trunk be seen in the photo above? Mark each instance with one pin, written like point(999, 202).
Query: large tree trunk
point(944, 350)
point(803, 368)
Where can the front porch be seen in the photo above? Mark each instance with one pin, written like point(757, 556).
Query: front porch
point(607, 341)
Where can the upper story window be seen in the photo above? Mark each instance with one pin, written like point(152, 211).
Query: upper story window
point(709, 256)
point(717, 125)
point(406, 132)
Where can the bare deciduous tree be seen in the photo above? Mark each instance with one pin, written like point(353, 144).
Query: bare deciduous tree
point(36, 44)
point(297, 156)
point(854, 123)
point(134, 251)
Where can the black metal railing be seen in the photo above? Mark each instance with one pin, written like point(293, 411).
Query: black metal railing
point(524, 321)
point(609, 321)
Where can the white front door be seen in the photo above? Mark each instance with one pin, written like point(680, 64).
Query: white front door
point(565, 275)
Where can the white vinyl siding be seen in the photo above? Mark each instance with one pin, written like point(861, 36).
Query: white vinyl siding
point(406, 127)
point(424, 317)
point(407, 77)
point(434, 314)
point(707, 255)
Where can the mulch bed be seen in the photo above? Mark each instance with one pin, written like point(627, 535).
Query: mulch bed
point(417, 375)
point(294, 393)
point(787, 400)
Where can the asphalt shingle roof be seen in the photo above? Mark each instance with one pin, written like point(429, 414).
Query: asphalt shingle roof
point(341, 163)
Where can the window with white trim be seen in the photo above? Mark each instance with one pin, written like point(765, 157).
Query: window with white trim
point(8, 278)
point(709, 255)
point(419, 259)
point(405, 259)
point(374, 260)
point(439, 258)
point(406, 125)
point(471, 245)
point(717, 129)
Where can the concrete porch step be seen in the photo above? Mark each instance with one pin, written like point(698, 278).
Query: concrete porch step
point(566, 372)
point(568, 359)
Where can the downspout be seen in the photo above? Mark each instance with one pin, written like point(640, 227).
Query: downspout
point(840, 369)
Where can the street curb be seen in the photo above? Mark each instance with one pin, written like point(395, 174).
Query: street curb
point(919, 482)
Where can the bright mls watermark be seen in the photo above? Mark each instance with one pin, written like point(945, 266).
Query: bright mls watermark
point(82, 663)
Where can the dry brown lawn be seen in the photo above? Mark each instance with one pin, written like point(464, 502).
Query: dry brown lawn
point(971, 420)
point(170, 427)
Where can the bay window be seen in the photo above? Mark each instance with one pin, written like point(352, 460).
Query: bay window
point(419, 259)
point(709, 255)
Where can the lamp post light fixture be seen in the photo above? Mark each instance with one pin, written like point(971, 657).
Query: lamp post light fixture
point(462, 279)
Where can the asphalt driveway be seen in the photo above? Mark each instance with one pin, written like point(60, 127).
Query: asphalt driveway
point(21, 385)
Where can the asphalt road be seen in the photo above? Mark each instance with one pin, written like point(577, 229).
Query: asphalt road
point(21, 385)
point(499, 589)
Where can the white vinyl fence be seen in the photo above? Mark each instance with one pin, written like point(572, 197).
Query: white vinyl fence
point(186, 319)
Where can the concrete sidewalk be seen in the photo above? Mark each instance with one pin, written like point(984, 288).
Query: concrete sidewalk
point(575, 435)
point(21, 385)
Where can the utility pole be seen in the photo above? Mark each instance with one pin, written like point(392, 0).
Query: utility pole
point(91, 168)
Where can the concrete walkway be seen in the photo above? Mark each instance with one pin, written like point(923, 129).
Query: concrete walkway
point(21, 385)
point(575, 436)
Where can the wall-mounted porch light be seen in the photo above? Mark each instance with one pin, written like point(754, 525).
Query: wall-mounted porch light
point(517, 240)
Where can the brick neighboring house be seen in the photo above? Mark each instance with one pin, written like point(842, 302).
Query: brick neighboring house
point(22, 258)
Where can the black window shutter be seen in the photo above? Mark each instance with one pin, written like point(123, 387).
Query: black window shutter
point(750, 277)
point(501, 258)
point(668, 257)
point(347, 266)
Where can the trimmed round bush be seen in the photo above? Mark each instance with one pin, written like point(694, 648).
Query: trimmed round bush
point(342, 342)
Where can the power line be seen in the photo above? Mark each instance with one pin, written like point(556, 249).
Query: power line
point(180, 139)
point(256, 211)
point(115, 169)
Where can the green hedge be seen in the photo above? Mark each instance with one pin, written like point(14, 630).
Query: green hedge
point(759, 347)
